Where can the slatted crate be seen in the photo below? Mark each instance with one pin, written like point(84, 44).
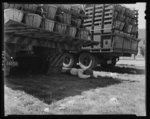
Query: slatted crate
point(111, 14)
point(114, 26)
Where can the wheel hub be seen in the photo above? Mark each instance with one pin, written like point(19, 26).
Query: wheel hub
point(86, 61)
point(67, 60)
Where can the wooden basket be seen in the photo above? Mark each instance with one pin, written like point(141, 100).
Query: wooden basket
point(65, 18)
point(133, 14)
point(118, 8)
point(115, 15)
point(128, 28)
point(117, 24)
point(13, 14)
point(121, 17)
point(14, 6)
point(123, 10)
point(122, 26)
point(30, 7)
point(133, 21)
point(66, 6)
point(76, 9)
point(51, 11)
point(71, 31)
point(60, 28)
point(127, 11)
point(128, 20)
point(134, 30)
point(48, 24)
point(76, 22)
point(33, 19)
point(83, 34)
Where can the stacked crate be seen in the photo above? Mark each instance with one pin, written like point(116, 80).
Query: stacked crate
point(65, 19)
point(25, 13)
point(70, 18)
point(112, 19)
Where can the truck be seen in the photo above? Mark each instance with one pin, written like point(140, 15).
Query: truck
point(35, 41)
point(46, 41)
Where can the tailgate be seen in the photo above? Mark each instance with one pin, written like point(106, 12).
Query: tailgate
point(125, 45)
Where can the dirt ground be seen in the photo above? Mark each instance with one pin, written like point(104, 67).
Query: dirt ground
point(120, 90)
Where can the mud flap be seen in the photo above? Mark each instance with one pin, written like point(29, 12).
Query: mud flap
point(55, 61)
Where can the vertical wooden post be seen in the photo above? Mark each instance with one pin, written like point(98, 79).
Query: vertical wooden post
point(112, 29)
point(92, 27)
point(102, 25)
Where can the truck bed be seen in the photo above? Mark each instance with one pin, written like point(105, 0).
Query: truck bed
point(24, 34)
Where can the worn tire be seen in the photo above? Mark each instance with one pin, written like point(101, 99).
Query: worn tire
point(70, 61)
point(90, 57)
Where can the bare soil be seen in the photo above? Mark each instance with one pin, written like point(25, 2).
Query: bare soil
point(120, 90)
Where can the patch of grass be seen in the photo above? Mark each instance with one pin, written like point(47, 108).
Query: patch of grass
point(66, 94)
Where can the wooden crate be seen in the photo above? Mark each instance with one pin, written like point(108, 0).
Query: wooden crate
point(50, 11)
point(48, 24)
point(76, 22)
point(33, 20)
point(60, 28)
point(71, 31)
point(13, 14)
point(119, 14)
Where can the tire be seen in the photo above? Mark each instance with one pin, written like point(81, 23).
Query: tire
point(85, 59)
point(68, 60)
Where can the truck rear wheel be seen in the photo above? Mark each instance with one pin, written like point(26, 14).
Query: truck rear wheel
point(68, 60)
point(87, 60)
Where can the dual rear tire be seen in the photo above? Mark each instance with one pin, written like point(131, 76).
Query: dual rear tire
point(87, 60)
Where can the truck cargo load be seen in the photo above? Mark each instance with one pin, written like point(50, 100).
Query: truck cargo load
point(114, 26)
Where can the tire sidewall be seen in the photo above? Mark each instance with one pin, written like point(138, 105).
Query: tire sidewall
point(71, 62)
point(81, 57)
